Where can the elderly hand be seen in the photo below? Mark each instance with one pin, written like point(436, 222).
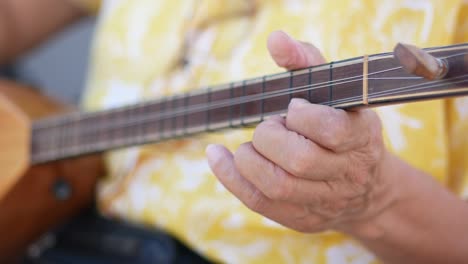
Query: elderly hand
point(319, 168)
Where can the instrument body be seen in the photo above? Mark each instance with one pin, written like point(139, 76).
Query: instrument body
point(32, 206)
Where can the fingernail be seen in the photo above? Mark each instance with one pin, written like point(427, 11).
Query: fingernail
point(277, 37)
point(298, 102)
point(284, 33)
point(213, 153)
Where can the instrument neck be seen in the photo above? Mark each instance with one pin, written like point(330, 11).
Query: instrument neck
point(363, 81)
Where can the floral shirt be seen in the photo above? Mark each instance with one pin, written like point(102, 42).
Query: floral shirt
point(148, 49)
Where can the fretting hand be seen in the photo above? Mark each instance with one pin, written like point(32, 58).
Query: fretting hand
point(319, 168)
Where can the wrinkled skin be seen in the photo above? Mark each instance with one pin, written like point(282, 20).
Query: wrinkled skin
point(316, 169)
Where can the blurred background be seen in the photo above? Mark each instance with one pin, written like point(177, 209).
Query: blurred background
point(66, 57)
point(59, 68)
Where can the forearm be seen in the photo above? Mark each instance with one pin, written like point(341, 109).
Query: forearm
point(25, 23)
point(426, 224)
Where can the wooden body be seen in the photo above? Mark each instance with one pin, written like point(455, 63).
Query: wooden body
point(14, 142)
point(31, 206)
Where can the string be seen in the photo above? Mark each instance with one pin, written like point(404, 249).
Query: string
point(396, 90)
point(422, 88)
point(240, 100)
point(42, 124)
point(212, 107)
point(51, 152)
point(55, 121)
point(341, 101)
point(246, 99)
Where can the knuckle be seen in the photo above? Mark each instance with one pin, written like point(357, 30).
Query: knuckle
point(373, 122)
point(295, 112)
point(370, 116)
point(335, 137)
point(289, 61)
point(335, 131)
point(243, 149)
point(255, 201)
point(281, 185)
point(375, 154)
point(241, 154)
point(357, 188)
point(334, 207)
point(300, 162)
point(359, 180)
point(298, 165)
point(262, 130)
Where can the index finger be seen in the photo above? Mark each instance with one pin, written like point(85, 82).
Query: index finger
point(296, 154)
point(334, 129)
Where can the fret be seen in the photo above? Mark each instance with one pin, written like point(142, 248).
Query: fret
point(102, 137)
point(231, 106)
point(208, 112)
point(72, 135)
point(60, 140)
point(280, 100)
point(145, 126)
point(43, 143)
point(93, 139)
point(237, 105)
point(161, 119)
point(242, 105)
point(186, 113)
point(254, 95)
point(300, 83)
point(125, 117)
point(174, 118)
point(75, 124)
point(346, 82)
point(53, 141)
point(220, 114)
point(109, 135)
point(129, 117)
point(198, 117)
point(150, 111)
point(118, 134)
point(138, 126)
point(69, 136)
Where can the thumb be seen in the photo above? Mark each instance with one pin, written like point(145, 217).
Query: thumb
point(292, 54)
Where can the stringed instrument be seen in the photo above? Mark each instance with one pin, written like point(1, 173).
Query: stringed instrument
point(38, 153)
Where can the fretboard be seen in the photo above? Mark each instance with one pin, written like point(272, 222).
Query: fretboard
point(363, 81)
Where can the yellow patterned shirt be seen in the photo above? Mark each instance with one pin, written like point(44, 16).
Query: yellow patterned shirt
point(147, 49)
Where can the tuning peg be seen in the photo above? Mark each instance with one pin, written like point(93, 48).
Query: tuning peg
point(418, 62)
